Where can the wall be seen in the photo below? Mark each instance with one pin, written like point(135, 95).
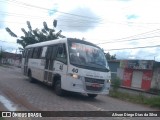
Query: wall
point(137, 79)
point(113, 65)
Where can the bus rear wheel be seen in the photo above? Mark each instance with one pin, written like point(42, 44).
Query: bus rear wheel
point(92, 95)
point(31, 79)
point(58, 89)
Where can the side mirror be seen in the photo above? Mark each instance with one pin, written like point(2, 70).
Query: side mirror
point(107, 70)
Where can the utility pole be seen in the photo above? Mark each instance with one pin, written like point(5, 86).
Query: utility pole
point(154, 58)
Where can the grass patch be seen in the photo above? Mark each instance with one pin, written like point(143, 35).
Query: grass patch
point(140, 99)
point(1, 118)
point(115, 84)
point(154, 102)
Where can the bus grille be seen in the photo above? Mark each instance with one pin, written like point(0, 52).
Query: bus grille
point(94, 84)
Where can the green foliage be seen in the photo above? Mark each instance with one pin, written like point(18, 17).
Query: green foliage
point(35, 36)
point(10, 32)
point(1, 118)
point(0, 54)
point(116, 83)
point(140, 99)
point(110, 57)
point(153, 102)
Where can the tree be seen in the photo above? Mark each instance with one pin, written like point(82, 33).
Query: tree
point(110, 57)
point(36, 35)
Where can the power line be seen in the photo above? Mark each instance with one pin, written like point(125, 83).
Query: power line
point(130, 40)
point(29, 5)
point(86, 17)
point(34, 6)
point(51, 25)
point(13, 22)
point(145, 33)
point(133, 48)
point(37, 17)
point(7, 42)
point(20, 15)
point(99, 20)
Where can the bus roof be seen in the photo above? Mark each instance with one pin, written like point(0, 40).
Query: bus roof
point(56, 41)
point(45, 43)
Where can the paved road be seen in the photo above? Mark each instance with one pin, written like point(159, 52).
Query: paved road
point(38, 97)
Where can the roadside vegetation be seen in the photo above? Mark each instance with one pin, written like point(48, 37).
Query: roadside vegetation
point(140, 98)
point(6, 65)
point(1, 118)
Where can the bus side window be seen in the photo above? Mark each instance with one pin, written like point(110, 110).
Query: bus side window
point(43, 52)
point(50, 56)
point(35, 53)
point(62, 54)
point(30, 54)
point(39, 52)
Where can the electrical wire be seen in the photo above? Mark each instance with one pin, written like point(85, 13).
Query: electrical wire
point(34, 6)
point(66, 13)
point(7, 42)
point(130, 37)
point(134, 48)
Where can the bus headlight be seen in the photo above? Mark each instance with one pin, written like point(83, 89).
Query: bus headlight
point(108, 81)
point(75, 76)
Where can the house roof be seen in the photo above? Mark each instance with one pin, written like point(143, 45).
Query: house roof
point(11, 55)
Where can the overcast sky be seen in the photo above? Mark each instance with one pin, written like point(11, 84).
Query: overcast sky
point(112, 24)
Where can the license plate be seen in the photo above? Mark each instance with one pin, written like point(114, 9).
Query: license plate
point(96, 85)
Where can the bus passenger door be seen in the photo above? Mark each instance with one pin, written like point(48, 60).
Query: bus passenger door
point(49, 61)
point(60, 63)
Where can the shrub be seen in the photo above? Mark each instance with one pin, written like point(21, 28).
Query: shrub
point(153, 102)
point(116, 83)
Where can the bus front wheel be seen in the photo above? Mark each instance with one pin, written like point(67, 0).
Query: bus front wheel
point(92, 95)
point(58, 89)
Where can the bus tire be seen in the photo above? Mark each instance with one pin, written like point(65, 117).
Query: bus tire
point(58, 89)
point(92, 95)
point(31, 79)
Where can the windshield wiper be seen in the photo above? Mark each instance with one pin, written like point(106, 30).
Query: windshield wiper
point(96, 63)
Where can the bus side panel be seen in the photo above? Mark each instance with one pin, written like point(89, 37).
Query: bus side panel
point(37, 68)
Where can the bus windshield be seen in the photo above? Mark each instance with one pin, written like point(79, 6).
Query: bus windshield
point(87, 55)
